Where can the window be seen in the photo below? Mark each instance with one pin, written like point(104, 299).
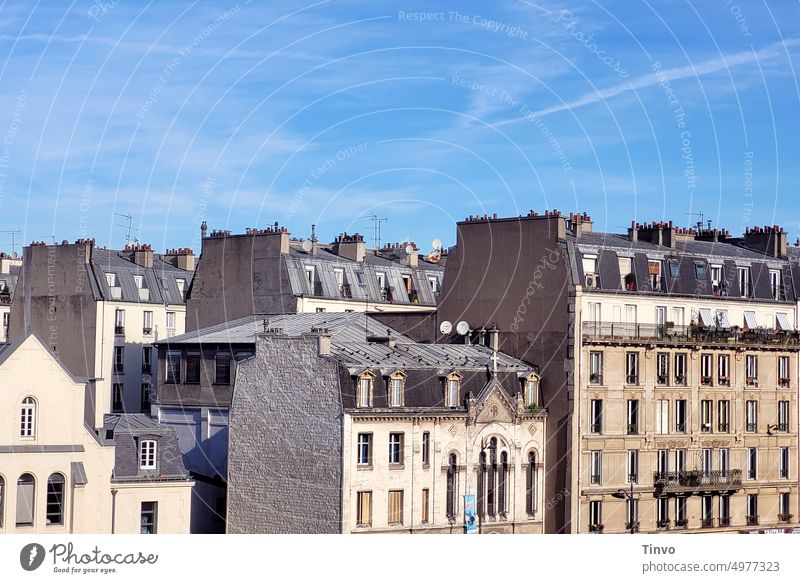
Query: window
point(775, 284)
point(193, 361)
point(633, 416)
point(708, 461)
point(783, 463)
point(633, 466)
point(147, 454)
point(680, 511)
point(783, 371)
point(170, 320)
point(395, 507)
point(396, 391)
point(662, 460)
point(751, 416)
point(532, 391)
point(632, 368)
point(222, 374)
point(364, 509)
point(365, 449)
point(596, 467)
point(453, 386)
point(596, 415)
point(596, 368)
point(706, 369)
point(680, 416)
point(744, 281)
point(145, 401)
point(173, 372)
point(706, 415)
point(425, 507)
point(663, 513)
point(724, 369)
point(147, 323)
point(149, 517)
point(147, 359)
point(680, 460)
point(426, 448)
point(725, 510)
point(452, 477)
point(181, 284)
point(310, 275)
point(752, 509)
point(723, 322)
point(26, 495)
point(117, 402)
point(680, 368)
point(119, 359)
point(700, 271)
point(530, 485)
point(595, 516)
point(751, 370)
point(723, 416)
point(627, 279)
point(434, 283)
point(592, 280)
point(595, 312)
point(139, 281)
point(724, 461)
point(752, 463)
point(395, 448)
point(55, 499)
point(673, 268)
point(2, 500)
point(27, 418)
point(111, 279)
point(716, 280)
point(750, 322)
point(654, 268)
point(364, 393)
point(678, 316)
point(784, 507)
point(119, 321)
point(783, 416)
point(382, 284)
point(707, 516)
point(632, 514)
point(662, 416)
point(662, 368)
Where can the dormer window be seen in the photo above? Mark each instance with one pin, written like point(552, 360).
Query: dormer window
point(147, 454)
point(364, 390)
point(532, 391)
point(452, 389)
point(396, 386)
point(592, 279)
point(181, 283)
point(744, 281)
point(111, 279)
point(654, 268)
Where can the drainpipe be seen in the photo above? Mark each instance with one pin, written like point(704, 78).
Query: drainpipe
point(113, 510)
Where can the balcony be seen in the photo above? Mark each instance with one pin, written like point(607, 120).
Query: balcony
point(632, 526)
point(147, 331)
point(119, 329)
point(663, 524)
point(696, 481)
point(707, 523)
point(724, 521)
point(785, 517)
point(596, 528)
point(670, 334)
point(682, 523)
point(752, 520)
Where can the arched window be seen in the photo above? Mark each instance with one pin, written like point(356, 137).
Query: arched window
point(26, 495)
point(27, 418)
point(452, 470)
point(2, 499)
point(530, 485)
point(502, 480)
point(491, 479)
point(482, 485)
point(55, 499)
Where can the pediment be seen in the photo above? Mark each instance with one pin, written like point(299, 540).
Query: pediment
point(493, 405)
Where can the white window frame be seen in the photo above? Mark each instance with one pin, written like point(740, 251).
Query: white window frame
point(775, 283)
point(751, 416)
point(632, 474)
point(395, 448)
point(364, 391)
point(596, 467)
point(751, 369)
point(148, 450)
point(724, 369)
point(364, 449)
point(396, 391)
point(170, 320)
point(752, 463)
point(27, 428)
point(783, 463)
point(662, 416)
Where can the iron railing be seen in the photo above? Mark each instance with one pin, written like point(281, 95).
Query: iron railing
point(695, 334)
point(696, 480)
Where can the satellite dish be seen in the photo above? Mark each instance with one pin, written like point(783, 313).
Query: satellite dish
point(462, 328)
point(14, 255)
point(437, 244)
point(434, 257)
point(409, 249)
point(307, 246)
point(445, 327)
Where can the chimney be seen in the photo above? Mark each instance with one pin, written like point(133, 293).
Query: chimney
point(314, 241)
point(772, 241)
point(633, 232)
point(86, 252)
point(273, 231)
point(712, 235)
point(203, 229)
point(658, 232)
point(350, 247)
point(140, 254)
point(324, 344)
point(410, 259)
point(182, 258)
point(580, 223)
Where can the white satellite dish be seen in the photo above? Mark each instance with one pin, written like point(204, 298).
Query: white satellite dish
point(445, 327)
point(307, 246)
point(409, 249)
point(437, 244)
point(462, 328)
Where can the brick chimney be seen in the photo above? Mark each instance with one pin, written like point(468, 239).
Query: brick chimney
point(580, 223)
point(273, 231)
point(350, 247)
point(140, 254)
point(663, 234)
point(771, 241)
point(712, 235)
point(182, 258)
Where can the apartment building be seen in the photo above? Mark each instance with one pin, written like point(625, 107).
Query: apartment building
point(101, 310)
point(338, 424)
point(265, 271)
point(9, 273)
point(669, 365)
point(60, 475)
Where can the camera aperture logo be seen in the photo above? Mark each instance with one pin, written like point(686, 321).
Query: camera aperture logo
point(32, 556)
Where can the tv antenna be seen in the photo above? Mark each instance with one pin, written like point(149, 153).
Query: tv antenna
point(376, 227)
point(129, 227)
point(699, 224)
point(13, 238)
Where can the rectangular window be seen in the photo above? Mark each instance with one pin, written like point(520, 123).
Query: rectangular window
point(181, 285)
point(222, 370)
point(725, 510)
point(680, 511)
point(632, 515)
point(395, 507)
point(452, 392)
point(149, 518)
point(596, 368)
point(783, 463)
point(784, 507)
point(751, 416)
point(632, 368)
point(119, 359)
point(595, 312)
point(662, 416)
point(775, 284)
point(119, 321)
point(147, 323)
point(173, 372)
point(783, 416)
point(680, 368)
point(752, 463)
point(633, 416)
point(655, 275)
point(662, 461)
point(595, 516)
point(425, 506)
point(147, 454)
point(706, 369)
point(751, 370)
point(395, 392)
point(724, 461)
point(633, 466)
point(680, 460)
point(193, 361)
point(591, 279)
point(716, 280)
point(700, 271)
point(663, 512)
point(627, 280)
point(147, 359)
point(364, 509)
point(426, 448)
point(708, 462)
point(364, 454)
point(596, 468)
point(724, 370)
point(723, 416)
point(596, 415)
point(170, 320)
point(744, 281)
point(364, 395)
point(680, 416)
point(395, 448)
point(678, 316)
point(707, 512)
point(783, 371)
point(111, 279)
point(662, 368)
point(752, 509)
point(116, 398)
point(145, 397)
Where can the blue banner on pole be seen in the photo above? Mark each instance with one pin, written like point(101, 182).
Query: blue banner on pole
point(470, 517)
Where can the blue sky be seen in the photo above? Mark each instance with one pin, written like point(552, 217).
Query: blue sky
point(244, 114)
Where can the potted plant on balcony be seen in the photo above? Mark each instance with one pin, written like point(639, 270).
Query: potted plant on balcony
point(630, 282)
point(681, 522)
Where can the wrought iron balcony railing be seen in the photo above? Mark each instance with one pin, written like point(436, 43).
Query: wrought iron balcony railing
point(695, 480)
point(665, 333)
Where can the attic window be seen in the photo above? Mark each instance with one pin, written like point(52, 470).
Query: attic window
point(111, 279)
point(673, 269)
point(364, 390)
point(395, 387)
point(452, 389)
point(700, 271)
point(532, 391)
point(147, 454)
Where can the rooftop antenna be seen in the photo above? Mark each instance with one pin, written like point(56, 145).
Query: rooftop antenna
point(13, 238)
point(376, 227)
point(701, 221)
point(129, 227)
